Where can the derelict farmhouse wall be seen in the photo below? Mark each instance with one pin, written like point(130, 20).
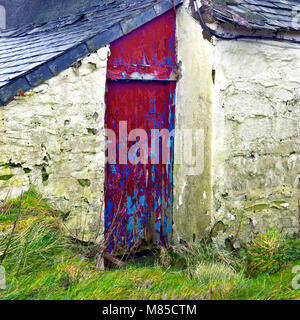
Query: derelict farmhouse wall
point(256, 145)
point(53, 138)
point(244, 99)
point(193, 108)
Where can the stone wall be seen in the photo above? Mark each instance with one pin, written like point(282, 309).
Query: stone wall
point(53, 138)
point(256, 146)
point(192, 171)
point(245, 97)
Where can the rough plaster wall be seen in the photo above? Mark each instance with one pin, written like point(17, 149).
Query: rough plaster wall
point(192, 188)
point(53, 138)
point(256, 146)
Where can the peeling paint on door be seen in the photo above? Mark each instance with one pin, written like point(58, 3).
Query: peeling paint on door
point(141, 95)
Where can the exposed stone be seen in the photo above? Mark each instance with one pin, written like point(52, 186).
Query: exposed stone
point(52, 139)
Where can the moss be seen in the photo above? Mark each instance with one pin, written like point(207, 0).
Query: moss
point(219, 226)
point(84, 182)
point(263, 206)
point(92, 131)
point(6, 177)
point(257, 207)
point(95, 115)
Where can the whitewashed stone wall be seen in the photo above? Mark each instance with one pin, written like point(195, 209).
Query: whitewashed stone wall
point(256, 146)
point(53, 138)
point(245, 96)
point(192, 169)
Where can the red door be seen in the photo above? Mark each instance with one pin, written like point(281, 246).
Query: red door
point(140, 100)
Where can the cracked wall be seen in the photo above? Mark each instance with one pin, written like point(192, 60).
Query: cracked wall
point(256, 146)
point(53, 138)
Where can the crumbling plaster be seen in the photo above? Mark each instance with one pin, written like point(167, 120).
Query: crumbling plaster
point(53, 139)
point(256, 146)
point(246, 98)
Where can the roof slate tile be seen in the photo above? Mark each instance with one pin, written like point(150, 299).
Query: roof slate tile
point(278, 15)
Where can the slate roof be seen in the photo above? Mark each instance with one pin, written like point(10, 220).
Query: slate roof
point(274, 15)
point(24, 12)
point(32, 54)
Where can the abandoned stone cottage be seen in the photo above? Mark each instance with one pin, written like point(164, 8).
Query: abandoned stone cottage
point(224, 74)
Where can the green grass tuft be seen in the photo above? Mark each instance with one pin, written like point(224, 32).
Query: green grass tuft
point(33, 248)
point(266, 254)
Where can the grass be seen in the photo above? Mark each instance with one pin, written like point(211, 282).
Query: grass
point(33, 207)
point(43, 264)
point(75, 279)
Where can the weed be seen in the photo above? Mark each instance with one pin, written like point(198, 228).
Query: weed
point(292, 249)
point(32, 248)
point(210, 271)
point(266, 254)
point(194, 254)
